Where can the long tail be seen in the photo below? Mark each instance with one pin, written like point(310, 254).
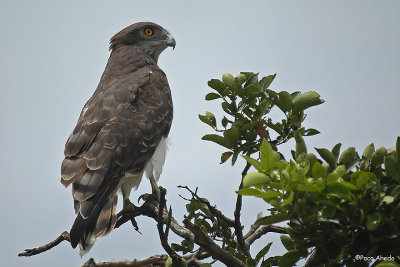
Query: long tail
point(95, 217)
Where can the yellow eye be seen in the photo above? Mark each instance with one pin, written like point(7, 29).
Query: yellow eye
point(148, 31)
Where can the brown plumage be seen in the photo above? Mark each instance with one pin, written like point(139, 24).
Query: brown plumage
point(118, 132)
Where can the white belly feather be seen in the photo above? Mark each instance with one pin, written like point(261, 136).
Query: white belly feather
point(153, 168)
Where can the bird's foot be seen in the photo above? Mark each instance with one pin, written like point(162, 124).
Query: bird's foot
point(145, 197)
point(127, 214)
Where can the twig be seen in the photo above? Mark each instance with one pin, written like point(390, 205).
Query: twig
point(238, 225)
point(216, 212)
point(38, 250)
point(201, 239)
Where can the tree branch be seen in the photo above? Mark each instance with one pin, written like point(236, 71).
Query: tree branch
point(48, 246)
point(238, 225)
point(253, 227)
point(156, 260)
point(201, 239)
point(150, 208)
point(176, 259)
point(262, 231)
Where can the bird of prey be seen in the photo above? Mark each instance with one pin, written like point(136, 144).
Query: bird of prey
point(121, 132)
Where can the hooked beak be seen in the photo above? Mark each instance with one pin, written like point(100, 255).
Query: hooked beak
point(170, 41)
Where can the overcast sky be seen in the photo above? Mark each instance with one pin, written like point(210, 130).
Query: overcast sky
point(53, 53)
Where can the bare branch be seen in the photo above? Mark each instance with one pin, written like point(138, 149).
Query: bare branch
point(262, 231)
point(238, 225)
point(41, 249)
point(156, 260)
point(201, 239)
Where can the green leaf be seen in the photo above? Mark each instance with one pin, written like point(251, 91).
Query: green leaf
point(232, 135)
point(224, 122)
point(377, 157)
point(311, 158)
point(276, 127)
point(266, 81)
point(392, 166)
point(216, 85)
point(209, 119)
point(361, 178)
point(387, 264)
point(306, 187)
point(257, 193)
point(262, 108)
point(284, 101)
point(337, 190)
point(253, 78)
point(271, 261)
point(328, 212)
point(252, 89)
point(318, 170)
point(168, 262)
point(255, 178)
point(269, 193)
point(311, 132)
point(212, 96)
point(272, 219)
point(255, 163)
point(306, 100)
point(301, 147)
point(288, 200)
point(336, 150)
point(262, 252)
point(373, 221)
point(249, 126)
point(290, 258)
point(241, 77)
point(295, 94)
point(368, 151)
point(287, 242)
point(227, 108)
point(234, 158)
point(267, 155)
point(216, 139)
point(327, 156)
point(347, 157)
point(228, 80)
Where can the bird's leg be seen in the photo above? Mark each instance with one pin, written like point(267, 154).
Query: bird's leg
point(154, 188)
point(124, 215)
point(128, 205)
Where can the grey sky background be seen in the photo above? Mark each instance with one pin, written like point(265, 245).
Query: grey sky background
point(52, 55)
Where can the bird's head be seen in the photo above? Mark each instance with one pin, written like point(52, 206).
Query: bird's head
point(152, 38)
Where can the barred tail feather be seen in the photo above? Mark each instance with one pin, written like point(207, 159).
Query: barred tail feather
point(99, 221)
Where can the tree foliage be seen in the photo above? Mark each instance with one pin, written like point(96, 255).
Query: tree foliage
point(338, 205)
